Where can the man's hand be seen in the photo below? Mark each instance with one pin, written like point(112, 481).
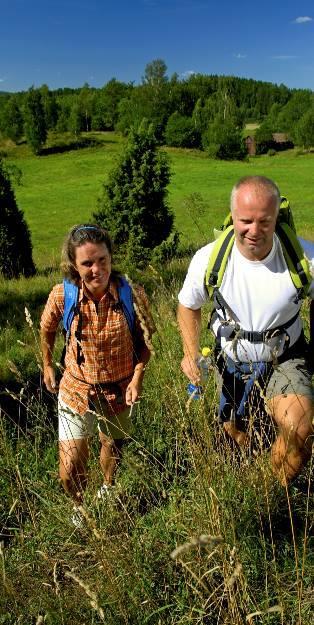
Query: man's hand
point(190, 369)
point(50, 379)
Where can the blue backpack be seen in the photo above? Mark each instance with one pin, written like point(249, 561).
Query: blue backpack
point(71, 293)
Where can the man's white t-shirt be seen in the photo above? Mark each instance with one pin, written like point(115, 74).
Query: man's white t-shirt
point(260, 294)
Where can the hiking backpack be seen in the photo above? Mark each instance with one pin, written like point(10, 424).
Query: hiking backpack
point(71, 293)
point(297, 263)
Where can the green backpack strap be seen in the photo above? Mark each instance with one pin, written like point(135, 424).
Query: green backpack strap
point(218, 260)
point(285, 213)
point(297, 263)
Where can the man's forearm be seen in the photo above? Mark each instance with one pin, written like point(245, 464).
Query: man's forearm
point(190, 327)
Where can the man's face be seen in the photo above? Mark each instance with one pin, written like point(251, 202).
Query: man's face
point(254, 218)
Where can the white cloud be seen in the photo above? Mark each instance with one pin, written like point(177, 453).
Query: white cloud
point(240, 56)
point(188, 73)
point(2, 79)
point(302, 20)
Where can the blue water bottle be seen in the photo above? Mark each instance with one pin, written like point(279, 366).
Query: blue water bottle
point(204, 364)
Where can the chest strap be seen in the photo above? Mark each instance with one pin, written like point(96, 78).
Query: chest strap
point(249, 335)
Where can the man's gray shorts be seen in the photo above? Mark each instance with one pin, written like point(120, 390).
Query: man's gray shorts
point(291, 377)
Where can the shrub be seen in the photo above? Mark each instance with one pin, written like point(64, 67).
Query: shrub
point(15, 241)
point(223, 140)
point(181, 132)
point(167, 249)
point(133, 204)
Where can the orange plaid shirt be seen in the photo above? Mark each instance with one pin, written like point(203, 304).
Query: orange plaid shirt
point(106, 343)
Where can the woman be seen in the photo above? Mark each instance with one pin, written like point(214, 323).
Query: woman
point(104, 360)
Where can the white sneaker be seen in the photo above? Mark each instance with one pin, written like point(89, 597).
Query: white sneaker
point(77, 518)
point(104, 491)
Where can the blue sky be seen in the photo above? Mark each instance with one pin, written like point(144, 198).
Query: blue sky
point(65, 43)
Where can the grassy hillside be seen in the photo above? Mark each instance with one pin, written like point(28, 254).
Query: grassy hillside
point(195, 533)
point(59, 190)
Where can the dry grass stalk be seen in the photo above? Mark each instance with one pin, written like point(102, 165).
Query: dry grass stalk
point(13, 368)
point(204, 540)
point(235, 575)
point(92, 595)
point(20, 481)
point(55, 579)
point(274, 608)
point(90, 522)
point(3, 565)
point(7, 585)
point(28, 317)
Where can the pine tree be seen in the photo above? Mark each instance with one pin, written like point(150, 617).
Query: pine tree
point(133, 205)
point(15, 241)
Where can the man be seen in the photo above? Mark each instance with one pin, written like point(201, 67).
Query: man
point(256, 295)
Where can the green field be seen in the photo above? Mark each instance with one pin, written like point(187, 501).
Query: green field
point(60, 190)
point(245, 545)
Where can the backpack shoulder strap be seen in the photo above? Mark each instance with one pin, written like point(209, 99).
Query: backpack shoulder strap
point(298, 265)
point(71, 292)
point(126, 300)
point(218, 260)
point(285, 213)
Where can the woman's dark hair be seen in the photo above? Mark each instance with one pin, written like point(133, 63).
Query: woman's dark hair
point(79, 235)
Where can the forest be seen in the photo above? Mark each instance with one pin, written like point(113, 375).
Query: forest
point(207, 112)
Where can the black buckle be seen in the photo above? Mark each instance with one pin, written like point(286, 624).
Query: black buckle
point(213, 278)
point(254, 337)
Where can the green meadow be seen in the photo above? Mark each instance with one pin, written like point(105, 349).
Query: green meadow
point(59, 190)
point(195, 533)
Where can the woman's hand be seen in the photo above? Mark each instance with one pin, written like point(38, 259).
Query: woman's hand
point(50, 379)
point(134, 388)
point(132, 393)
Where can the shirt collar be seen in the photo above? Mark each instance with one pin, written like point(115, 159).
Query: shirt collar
point(112, 291)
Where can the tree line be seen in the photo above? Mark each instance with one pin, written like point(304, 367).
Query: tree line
point(203, 111)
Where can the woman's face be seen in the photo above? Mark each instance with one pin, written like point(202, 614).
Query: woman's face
point(93, 263)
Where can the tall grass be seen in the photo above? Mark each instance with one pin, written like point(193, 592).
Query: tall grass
point(194, 533)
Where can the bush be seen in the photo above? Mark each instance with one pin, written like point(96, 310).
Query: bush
point(133, 205)
point(213, 150)
point(15, 241)
point(224, 141)
point(167, 249)
point(181, 132)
